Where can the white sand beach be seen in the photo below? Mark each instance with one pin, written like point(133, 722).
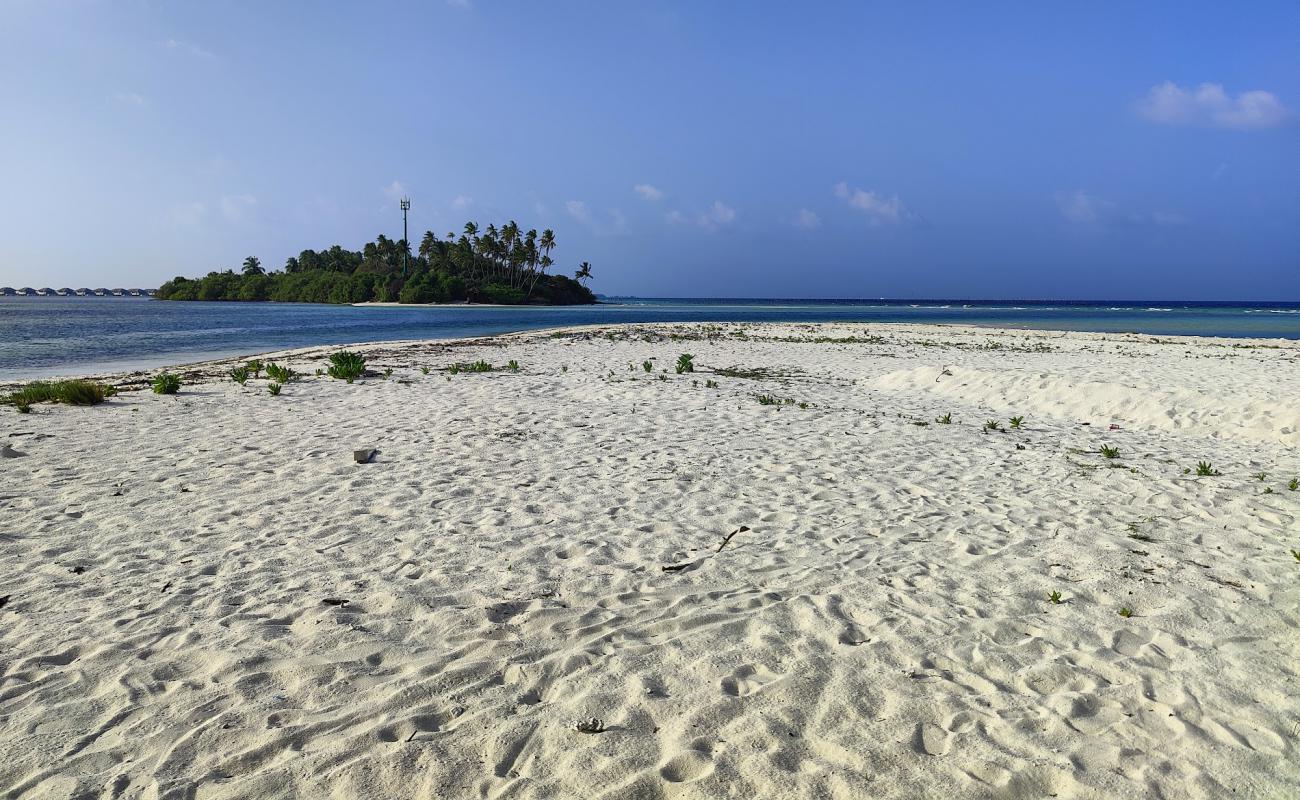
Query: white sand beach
point(831, 596)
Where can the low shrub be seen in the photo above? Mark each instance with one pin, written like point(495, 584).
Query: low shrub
point(166, 383)
point(346, 365)
point(73, 393)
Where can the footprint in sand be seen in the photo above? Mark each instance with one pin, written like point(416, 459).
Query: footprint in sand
point(691, 765)
point(748, 679)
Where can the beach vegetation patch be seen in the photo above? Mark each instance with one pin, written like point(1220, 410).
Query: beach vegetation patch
point(512, 365)
point(72, 393)
point(992, 425)
point(1293, 484)
point(424, 370)
point(1017, 421)
point(1055, 598)
point(1205, 468)
point(281, 374)
point(946, 419)
point(1108, 451)
point(273, 388)
point(1126, 612)
point(647, 366)
point(166, 383)
point(255, 367)
point(240, 375)
point(685, 363)
point(712, 384)
point(345, 365)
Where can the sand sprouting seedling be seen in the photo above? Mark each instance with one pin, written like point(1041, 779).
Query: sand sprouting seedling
point(454, 369)
point(72, 393)
point(564, 368)
point(685, 363)
point(712, 384)
point(273, 388)
point(346, 365)
point(946, 419)
point(1055, 598)
point(424, 370)
point(1107, 451)
point(279, 374)
point(992, 425)
point(1295, 554)
point(1259, 476)
point(479, 366)
point(239, 375)
point(1126, 612)
point(512, 365)
point(1205, 468)
point(166, 383)
point(647, 366)
point(388, 373)
point(1016, 422)
point(255, 367)
point(1293, 484)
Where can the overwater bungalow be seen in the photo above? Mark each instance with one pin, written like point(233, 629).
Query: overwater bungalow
point(119, 292)
point(101, 293)
point(83, 292)
point(6, 291)
point(65, 292)
point(46, 292)
point(27, 291)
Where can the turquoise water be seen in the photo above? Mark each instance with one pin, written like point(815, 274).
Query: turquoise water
point(71, 335)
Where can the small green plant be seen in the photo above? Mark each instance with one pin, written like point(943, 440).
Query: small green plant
point(388, 373)
point(255, 367)
point(712, 384)
point(767, 400)
point(647, 366)
point(1204, 468)
point(1293, 484)
point(345, 365)
point(1259, 476)
point(279, 374)
point(424, 370)
point(685, 363)
point(946, 419)
point(239, 375)
point(166, 383)
point(1055, 597)
point(319, 372)
point(513, 366)
point(454, 369)
point(1268, 490)
point(803, 405)
point(992, 425)
point(273, 388)
point(1015, 421)
point(564, 368)
point(479, 366)
point(1126, 612)
point(663, 376)
point(1109, 452)
point(1295, 554)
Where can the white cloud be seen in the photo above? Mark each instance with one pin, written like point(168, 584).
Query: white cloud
point(717, 214)
point(806, 219)
point(461, 201)
point(1210, 106)
point(1083, 208)
point(189, 214)
point(188, 47)
point(395, 191)
point(129, 98)
point(578, 210)
point(675, 217)
point(879, 209)
point(648, 192)
point(234, 207)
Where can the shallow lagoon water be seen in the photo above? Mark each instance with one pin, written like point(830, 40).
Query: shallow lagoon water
point(41, 336)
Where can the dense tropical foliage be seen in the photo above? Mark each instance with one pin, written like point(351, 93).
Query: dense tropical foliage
point(497, 265)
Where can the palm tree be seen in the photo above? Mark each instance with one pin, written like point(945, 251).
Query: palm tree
point(253, 266)
point(584, 271)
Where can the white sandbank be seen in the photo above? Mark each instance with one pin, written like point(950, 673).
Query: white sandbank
point(208, 598)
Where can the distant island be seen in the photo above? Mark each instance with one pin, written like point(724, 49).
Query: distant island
point(501, 265)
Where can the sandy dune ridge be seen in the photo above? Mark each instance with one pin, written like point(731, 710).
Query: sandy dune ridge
point(209, 599)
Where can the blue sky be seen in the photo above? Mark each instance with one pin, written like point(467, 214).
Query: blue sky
point(1095, 150)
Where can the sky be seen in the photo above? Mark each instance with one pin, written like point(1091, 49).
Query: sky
point(1109, 150)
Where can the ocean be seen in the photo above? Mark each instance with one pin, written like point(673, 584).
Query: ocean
point(44, 336)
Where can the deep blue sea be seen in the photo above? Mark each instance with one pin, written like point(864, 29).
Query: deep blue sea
point(55, 335)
